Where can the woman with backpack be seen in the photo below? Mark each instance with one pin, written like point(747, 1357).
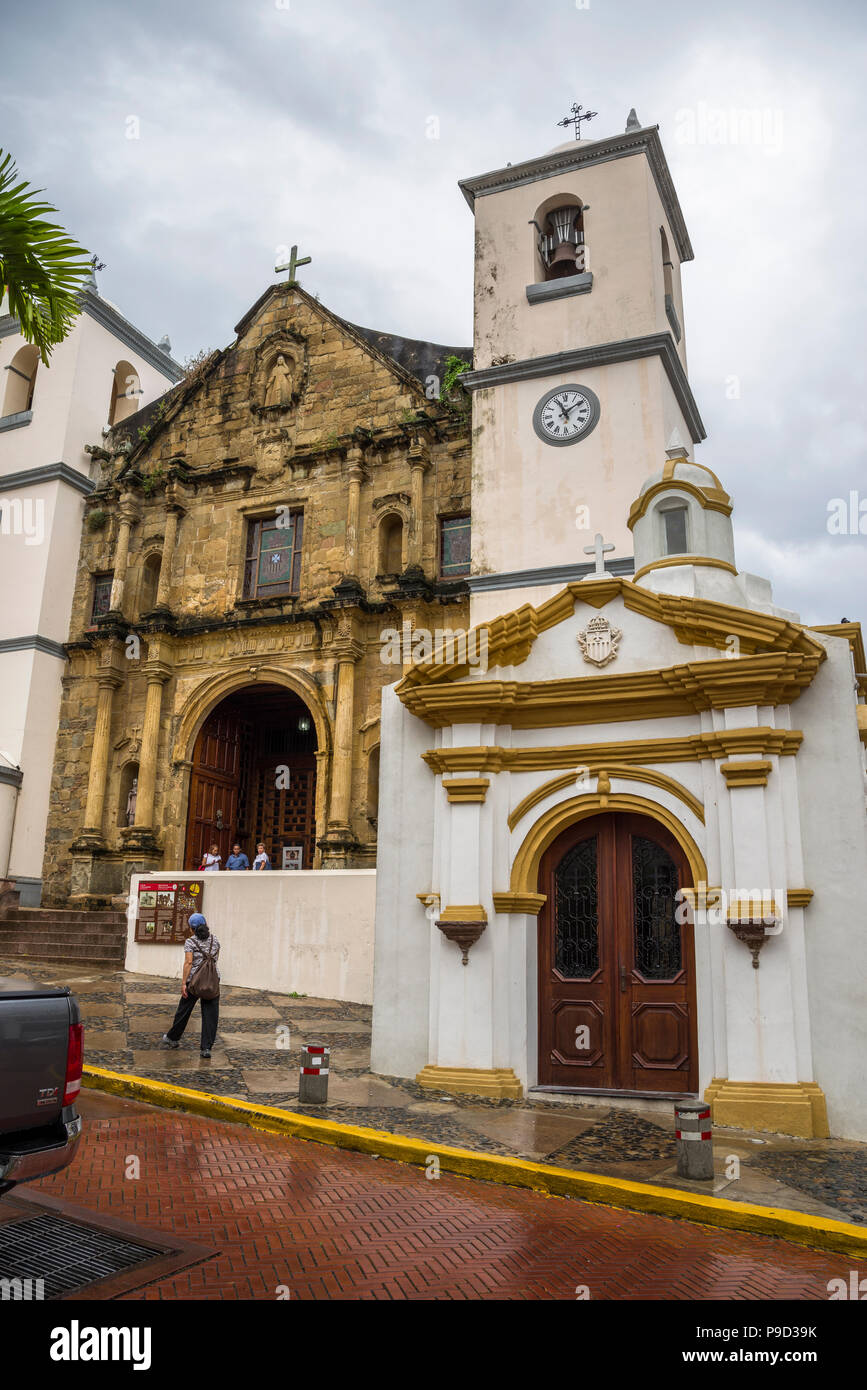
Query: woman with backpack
point(200, 980)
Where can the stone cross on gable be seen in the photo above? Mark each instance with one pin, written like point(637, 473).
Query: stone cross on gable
point(293, 263)
point(599, 549)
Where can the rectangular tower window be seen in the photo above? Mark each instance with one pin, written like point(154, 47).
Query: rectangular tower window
point(272, 564)
point(101, 596)
point(674, 521)
point(454, 546)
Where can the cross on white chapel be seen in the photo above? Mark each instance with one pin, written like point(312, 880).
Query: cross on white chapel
point(598, 549)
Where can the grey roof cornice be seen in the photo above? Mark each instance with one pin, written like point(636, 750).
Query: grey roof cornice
point(111, 319)
point(600, 355)
point(646, 140)
point(555, 574)
point(48, 473)
point(34, 642)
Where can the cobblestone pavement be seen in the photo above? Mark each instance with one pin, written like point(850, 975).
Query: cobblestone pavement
point(281, 1217)
point(125, 1015)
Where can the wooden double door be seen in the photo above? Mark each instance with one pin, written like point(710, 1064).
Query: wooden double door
point(616, 965)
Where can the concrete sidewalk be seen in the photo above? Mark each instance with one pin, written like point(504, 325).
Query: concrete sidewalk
point(257, 1056)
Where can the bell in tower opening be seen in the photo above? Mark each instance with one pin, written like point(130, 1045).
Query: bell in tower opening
point(561, 241)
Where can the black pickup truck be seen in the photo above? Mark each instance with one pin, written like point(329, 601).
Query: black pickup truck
point(41, 1053)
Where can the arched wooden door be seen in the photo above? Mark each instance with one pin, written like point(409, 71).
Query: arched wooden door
point(616, 968)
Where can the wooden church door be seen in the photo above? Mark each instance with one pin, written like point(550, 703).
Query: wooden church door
point(214, 786)
point(616, 969)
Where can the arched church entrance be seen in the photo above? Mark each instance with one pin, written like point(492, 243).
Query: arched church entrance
point(616, 968)
point(254, 778)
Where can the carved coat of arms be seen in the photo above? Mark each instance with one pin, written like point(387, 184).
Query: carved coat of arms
point(599, 641)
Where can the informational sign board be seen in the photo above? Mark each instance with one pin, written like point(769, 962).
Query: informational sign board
point(164, 910)
point(292, 856)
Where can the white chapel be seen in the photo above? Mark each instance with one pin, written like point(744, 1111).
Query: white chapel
point(626, 855)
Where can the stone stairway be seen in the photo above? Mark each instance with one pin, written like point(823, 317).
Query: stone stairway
point(63, 934)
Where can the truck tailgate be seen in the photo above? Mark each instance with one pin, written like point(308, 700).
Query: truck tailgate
point(34, 1039)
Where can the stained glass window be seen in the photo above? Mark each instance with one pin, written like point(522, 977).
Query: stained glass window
point(101, 596)
point(576, 922)
point(657, 934)
point(273, 561)
point(454, 546)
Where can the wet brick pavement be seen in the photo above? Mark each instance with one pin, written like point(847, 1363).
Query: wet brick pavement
point(280, 1216)
point(125, 1016)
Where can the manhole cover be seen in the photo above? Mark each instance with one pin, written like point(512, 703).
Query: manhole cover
point(65, 1255)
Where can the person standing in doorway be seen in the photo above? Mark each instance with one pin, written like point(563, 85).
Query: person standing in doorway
point(200, 947)
point(237, 859)
point(211, 860)
point(261, 861)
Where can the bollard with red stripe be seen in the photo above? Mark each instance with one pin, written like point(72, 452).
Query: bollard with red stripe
point(313, 1082)
point(694, 1135)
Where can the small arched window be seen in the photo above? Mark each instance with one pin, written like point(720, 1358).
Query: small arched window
point(21, 381)
point(390, 557)
point(675, 529)
point(559, 224)
point(125, 393)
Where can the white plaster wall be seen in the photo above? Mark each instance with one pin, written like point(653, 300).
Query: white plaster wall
point(405, 859)
point(310, 931)
point(37, 739)
point(835, 867)
point(526, 493)
point(621, 229)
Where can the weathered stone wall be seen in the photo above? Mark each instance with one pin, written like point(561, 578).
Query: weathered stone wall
point(210, 458)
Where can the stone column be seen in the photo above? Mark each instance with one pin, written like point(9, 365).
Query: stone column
point(128, 516)
point(108, 682)
point(419, 462)
point(356, 477)
point(339, 841)
point(144, 806)
point(173, 518)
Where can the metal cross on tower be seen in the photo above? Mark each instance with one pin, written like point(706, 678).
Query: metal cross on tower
point(577, 116)
point(599, 549)
point(293, 263)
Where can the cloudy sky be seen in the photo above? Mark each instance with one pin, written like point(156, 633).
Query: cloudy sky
point(187, 143)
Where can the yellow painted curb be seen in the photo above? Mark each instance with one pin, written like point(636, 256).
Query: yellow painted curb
point(817, 1232)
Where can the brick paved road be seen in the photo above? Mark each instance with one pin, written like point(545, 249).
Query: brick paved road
point(330, 1224)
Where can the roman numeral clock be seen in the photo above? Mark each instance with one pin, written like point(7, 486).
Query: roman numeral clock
point(566, 414)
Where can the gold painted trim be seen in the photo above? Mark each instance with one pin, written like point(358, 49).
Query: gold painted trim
point(771, 678)
point(704, 561)
point(605, 771)
point(533, 798)
point(799, 897)
point(754, 910)
point(861, 714)
point(456, 913)
point(531, 903)
point(525, 867)
point(752, 772)
point(498, 1083)
point(694, 621)
point(692, 748)
point(798, 1109)
point(463, 789)
point(711, 499)
point(852, 633)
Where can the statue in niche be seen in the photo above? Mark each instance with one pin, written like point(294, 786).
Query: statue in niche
point(131, 801)
point(278, 391)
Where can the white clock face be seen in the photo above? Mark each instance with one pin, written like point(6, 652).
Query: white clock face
point(566, 414)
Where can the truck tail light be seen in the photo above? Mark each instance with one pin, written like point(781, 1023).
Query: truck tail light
point(74, 1062)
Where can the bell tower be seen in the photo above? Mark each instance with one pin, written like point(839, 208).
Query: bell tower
point(579, 380)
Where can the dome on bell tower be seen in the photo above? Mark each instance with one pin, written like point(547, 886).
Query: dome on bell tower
point(682, 516)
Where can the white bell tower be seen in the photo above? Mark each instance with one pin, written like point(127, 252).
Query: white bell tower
point(579, 380)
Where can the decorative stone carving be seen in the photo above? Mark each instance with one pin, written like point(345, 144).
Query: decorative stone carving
point(599, 641)
point(280, 375)
point(463, 934)
point(271, 453)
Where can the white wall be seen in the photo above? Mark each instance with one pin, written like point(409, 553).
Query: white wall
point(308, 931)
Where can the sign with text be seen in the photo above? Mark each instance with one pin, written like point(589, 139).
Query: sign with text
point(164, 910)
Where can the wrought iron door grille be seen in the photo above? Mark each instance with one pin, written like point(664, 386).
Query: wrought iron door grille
point(576, 921)
point(658, 951)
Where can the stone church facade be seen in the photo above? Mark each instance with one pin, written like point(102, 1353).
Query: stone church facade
point(257, 537)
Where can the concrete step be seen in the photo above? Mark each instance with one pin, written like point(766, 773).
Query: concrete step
point(34, 915)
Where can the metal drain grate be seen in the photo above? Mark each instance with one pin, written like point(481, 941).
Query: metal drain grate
point(66, 1255)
